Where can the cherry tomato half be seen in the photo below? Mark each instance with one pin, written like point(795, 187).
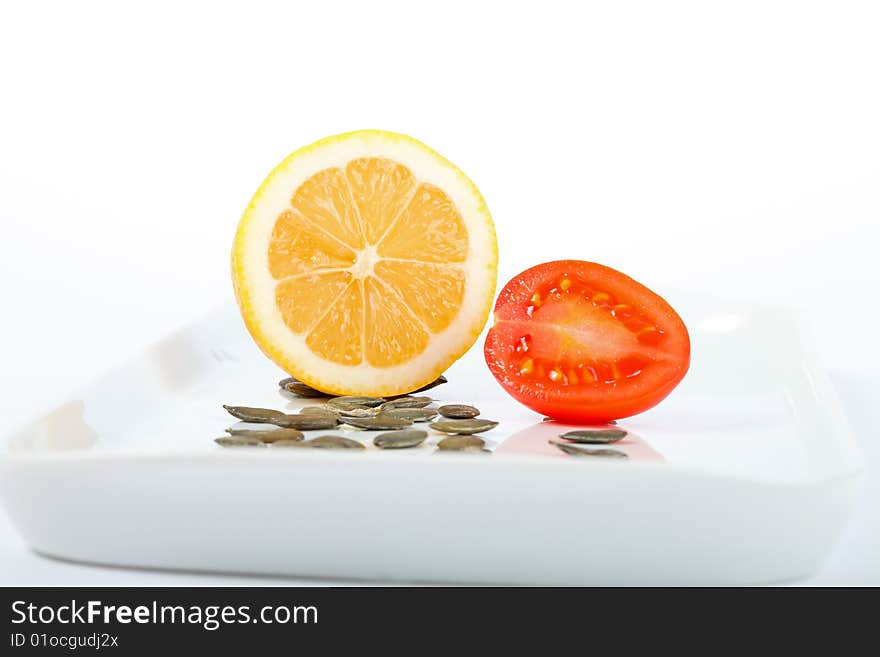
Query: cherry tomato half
point(581, 342)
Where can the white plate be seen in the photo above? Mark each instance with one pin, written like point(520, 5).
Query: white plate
point(745, 474)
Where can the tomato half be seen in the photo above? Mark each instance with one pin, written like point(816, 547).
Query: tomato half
point(581, 342)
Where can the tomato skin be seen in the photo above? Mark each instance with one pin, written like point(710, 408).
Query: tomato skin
point(584, 343)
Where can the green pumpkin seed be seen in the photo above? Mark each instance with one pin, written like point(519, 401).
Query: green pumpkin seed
point(333, 442)
point(323, 410)
point(458, 411)
point(414, 414)
point(577, 450)
point(553, 419)
point(461, 444)
point(400, 439)
point(314, 411)
point(378, 423)
point(250, 414)
point(306, 422)
point(464, 427)
point(239, 441)
point(348, 402)
point(268, 435)
point(440, 380)
point(594, 436)
point(300, 389)
point(289, 443)
point(406, 402)
point(293, 385)
point(358, 412)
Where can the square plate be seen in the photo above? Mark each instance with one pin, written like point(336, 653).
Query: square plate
point(745, 474)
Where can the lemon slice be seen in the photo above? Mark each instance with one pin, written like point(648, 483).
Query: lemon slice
point(365, 264)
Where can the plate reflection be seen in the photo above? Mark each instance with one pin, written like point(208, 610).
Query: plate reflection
point(535, 441)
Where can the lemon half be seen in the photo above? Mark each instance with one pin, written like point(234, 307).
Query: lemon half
point(365, 263)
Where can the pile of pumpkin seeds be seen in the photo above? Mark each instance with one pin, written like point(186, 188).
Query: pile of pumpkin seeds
point(393, 416)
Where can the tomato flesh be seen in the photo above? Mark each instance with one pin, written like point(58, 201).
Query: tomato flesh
point(581, 342)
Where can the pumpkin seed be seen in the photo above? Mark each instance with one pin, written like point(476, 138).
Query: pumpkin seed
point(357, 411)
point(249, 414)
point(300, 389)
point(464, 427)
point(354, 402)
point(458, 411)
point(266, 436)
point(406, 402)
point(414, 414)
point(323, 410)
point(333, 442)
point(239, 441)
point(594, 436)
point(306, 422)
point(400, 439)
point(440, 380)
point(461, 444)
point(293, 385)
point(289, 443)
point(320, 412)
point(553, 419)
point(378, 423)
point(577, 450)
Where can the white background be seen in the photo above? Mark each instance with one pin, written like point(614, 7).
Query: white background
point(731, 147)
